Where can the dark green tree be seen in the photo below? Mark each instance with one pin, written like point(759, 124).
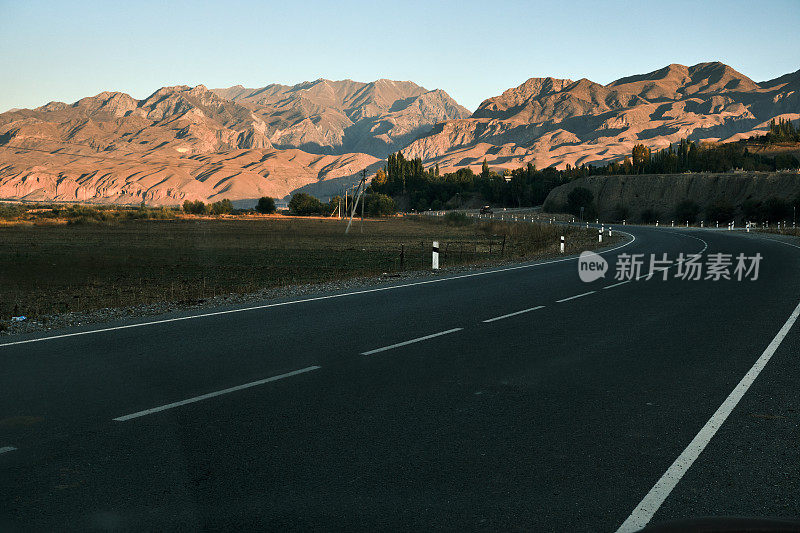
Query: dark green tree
point(580, 197)
point(379, 205)
point(641, 158)
point(194, 208)
point(221, 207)
point(266, 205)
point(650, 216)
point(303, 204)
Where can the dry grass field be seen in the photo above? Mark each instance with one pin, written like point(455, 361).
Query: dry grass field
point(50, 268)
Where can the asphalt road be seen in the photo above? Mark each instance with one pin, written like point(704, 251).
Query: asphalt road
point(563, 417)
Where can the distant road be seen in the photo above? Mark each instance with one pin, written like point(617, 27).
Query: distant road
point(508, 399)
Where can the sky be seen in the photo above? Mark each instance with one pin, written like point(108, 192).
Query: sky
point(64, 51)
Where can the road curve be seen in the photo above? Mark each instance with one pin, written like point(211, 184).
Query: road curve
point(514, 399)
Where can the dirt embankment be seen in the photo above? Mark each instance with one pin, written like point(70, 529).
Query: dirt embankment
point(662, 192)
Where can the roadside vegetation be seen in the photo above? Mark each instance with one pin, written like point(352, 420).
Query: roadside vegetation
point(414, 187)
point(580, 200)
point(56, 268)
point(81, 214)
point(375, 205)
point(42, 213)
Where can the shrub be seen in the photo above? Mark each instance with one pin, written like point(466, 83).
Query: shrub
point(776, 209)
point(266, 205)
point(752, 210)
point(687, 210)
point(9, 211)
point(194, 208)
point(148, 213)
point(379, 205)
point(303, 204)
point(581, 197)
point(221, 207)
point(551, 206)
point(457, 218)
point(649, 216)
point(720, 211)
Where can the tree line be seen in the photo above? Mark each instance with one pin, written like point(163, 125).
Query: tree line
point(690, 156)
point(419, 188)
point(782, 131)
point(580, 202)
point(375, 205)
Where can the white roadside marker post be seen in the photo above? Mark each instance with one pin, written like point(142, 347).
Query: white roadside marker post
point(435, 258)
point(656, 223)
point(673, 223)
point(562, 244)
point(600, 235)
point(624, 222)
point(702, 222)
point(609, 231)
point(687, 223)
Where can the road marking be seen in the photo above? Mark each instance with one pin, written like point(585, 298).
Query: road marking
point(514, 314)
point(213, 394)
point(314, 299)
point(412, 341)
point(778, 241)
point(617, 284)
point(5, 449)
point(652, 501)
point(576, 296)
point(661, 270)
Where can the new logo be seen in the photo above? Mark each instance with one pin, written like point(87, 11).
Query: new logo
point(591, 267)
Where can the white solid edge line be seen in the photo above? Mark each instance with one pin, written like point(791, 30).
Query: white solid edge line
point(213, 394)
point(576, 296)
point(705, 247)
point(412, 341)
point(316, 298)
point(776, 240)
point(514, 314)
point(5, 449)
point(644, 512)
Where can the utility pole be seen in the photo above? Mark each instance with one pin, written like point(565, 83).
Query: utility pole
point(363, 180)
point(356, 197)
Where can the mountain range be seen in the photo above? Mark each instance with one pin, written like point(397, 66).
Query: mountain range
point(555, 122)
point(242, 143)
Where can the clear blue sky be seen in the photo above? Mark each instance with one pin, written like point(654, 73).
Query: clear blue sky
point(473, 50)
